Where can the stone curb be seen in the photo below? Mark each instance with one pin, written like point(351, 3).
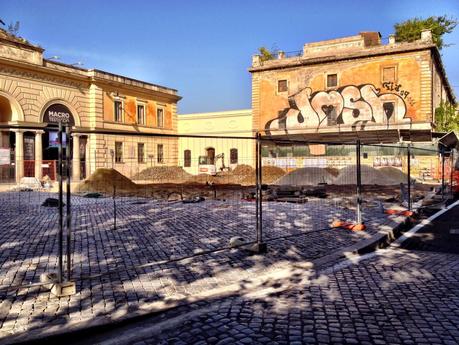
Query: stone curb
point(397, 243)
point(385, 233)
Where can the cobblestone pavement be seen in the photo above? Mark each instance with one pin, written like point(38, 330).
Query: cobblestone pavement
point(149, 231)
point(393, 297)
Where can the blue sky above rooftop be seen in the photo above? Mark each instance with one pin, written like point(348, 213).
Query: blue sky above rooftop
point(204, 48)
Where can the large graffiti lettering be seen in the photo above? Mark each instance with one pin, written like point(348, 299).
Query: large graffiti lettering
point(351, 105)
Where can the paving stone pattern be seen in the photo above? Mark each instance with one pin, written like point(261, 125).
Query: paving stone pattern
point(396, 297)
point(149, 231)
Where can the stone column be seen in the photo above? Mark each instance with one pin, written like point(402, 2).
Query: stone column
point(38, 154)
point(76, 158)
point(19, 154)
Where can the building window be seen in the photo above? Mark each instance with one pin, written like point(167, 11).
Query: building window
point(118, 111)
point(332, 80)
point(389, 74)
point(160, 117)
point(141, 152)
point(187, 158)
point(282, 86)
point(140, 114)
point(233, 156)
point(118, 152)
point(160, 153)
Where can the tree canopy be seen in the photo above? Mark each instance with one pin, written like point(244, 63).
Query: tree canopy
point(410, 30)
point(266, 54)
point(447, 118)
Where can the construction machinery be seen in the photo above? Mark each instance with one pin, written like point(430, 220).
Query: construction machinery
point(208, 164)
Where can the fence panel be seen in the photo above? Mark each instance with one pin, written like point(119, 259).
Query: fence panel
point(431, 176)
point(146, 200)
point(158, 198)
point(29, 222)
point(310, 187)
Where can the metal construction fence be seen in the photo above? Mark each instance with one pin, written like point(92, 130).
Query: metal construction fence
point(115, 202)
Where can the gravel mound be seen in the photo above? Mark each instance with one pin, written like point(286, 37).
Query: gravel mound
point(103, 180)
point(370, 176)
point(309, 176)
point(395, 174)
point(163, 174)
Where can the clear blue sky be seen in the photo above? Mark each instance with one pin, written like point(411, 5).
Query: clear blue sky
point(203, 48)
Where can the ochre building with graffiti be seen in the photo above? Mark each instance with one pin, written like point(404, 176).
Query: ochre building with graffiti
point(351, 88)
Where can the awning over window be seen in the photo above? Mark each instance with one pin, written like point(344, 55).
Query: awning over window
point(448, 140)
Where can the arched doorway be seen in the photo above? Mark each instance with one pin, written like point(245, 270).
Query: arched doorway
point(210, 153)
point(10, 110)
point(6, 112)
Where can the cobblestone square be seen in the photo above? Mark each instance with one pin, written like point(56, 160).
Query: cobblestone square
point(129, 265)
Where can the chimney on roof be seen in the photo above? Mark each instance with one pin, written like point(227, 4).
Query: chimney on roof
point(392, 39)
point(371, 38)
point(256, 60)
point(426, 35)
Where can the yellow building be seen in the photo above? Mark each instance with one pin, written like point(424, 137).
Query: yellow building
point(228, 151)
point(38, 93)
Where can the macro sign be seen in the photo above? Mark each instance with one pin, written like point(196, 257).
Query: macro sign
point(56, 113)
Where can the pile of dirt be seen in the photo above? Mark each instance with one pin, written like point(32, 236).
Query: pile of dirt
point(309, 176)
point(238, 175)
point(333, 171)
point(269, 175)
point(103, 180)
point(370, 176)
point(243, 170)
point(242, 174)
point(395, 174)
point(163, 174)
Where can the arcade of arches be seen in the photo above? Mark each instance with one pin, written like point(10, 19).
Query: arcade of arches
point(34, 152)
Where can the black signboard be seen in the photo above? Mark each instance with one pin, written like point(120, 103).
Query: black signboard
point(56, 113)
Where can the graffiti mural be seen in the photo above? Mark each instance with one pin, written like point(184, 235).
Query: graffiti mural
point(351, 106)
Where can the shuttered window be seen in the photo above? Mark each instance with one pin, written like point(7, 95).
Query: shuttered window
point(233, 156)
point(187, 158)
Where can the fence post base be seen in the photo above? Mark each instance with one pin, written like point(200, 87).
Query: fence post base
point(63, 289)
point(259, 248)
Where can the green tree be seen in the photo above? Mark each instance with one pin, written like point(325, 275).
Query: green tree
point(447, 118)
point(266, 54)
point(410, 30)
